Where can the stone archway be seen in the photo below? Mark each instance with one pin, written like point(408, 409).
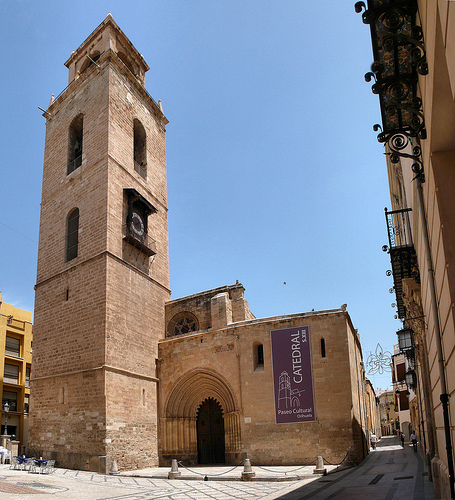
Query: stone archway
point(210, 433)
point(179, 432)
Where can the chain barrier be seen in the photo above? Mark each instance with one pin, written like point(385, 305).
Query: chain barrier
point(328, 463)
point(262, 467)
point(209, 475)
point(286, 472)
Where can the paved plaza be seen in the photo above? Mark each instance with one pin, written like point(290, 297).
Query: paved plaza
point(390, 472)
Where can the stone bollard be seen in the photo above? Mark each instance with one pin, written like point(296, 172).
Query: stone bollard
point(114, 469)
point(320, 469)
point(174, 470)
point(247, 473)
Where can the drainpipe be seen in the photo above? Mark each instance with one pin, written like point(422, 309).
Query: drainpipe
point(444, 397)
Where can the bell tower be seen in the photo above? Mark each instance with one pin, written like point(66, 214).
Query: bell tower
point(103, 273)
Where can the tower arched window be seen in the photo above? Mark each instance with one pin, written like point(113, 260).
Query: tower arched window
point(75, 144)
point(140, 149)
point(72, 234)
point(90, 61)
point(322, 347)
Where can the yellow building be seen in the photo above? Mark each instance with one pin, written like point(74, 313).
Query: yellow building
point(16, 353)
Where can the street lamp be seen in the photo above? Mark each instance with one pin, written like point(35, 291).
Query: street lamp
point(405, 339)
point(6, 410)
point(410, 377)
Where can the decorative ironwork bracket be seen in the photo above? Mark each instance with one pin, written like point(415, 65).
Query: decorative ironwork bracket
point(399, 59)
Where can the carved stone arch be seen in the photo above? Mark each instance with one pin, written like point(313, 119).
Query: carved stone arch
point(182, 322)
point(195, 387)
point(179, 432)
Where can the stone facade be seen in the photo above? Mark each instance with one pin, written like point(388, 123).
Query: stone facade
point(121, 372)
point(424, 221)
point(219, 361)
point(99, 314)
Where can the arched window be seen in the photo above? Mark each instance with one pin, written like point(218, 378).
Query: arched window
point(75, 144)
point(322, 347)
point(258, 355)
point(72, 230)
point(140, 149)
point(90, 61)
point(127, 62)
point(183, 322)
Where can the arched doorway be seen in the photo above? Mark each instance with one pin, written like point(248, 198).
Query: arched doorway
point(210, 433)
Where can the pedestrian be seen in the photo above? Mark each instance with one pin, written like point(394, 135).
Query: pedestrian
point(402, 439)
point(374, 440)
point(414, 440)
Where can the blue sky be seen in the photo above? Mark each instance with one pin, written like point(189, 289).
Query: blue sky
point(274, 172)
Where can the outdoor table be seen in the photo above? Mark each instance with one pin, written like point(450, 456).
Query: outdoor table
point(40, 461)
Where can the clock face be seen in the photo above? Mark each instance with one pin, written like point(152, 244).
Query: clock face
point(137, 224)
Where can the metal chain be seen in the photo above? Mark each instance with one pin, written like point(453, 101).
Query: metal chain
point(209, 475)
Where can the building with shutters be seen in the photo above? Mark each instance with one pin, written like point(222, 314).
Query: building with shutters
point(16, 355)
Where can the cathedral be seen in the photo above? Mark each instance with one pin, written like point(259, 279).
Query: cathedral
point(120, 371)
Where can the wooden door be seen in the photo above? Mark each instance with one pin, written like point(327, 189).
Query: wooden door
point(210, 433)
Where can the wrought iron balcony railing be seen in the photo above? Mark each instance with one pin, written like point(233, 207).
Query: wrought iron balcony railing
point(141, 169)
point(402, 253)
point(399, 59)
point(73, 164)
point(143, 241)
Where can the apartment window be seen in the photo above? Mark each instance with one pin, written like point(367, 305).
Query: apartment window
point(12, 346)
point(26, 403)
point(75, 144)
point(72, 235)
point(140, 150)
point(401, 370)
point(10, 398)
point(11, 374)
point(404, 401)
point(27, 376)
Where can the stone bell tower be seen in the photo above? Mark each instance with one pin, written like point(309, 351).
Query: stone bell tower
point(103, 274)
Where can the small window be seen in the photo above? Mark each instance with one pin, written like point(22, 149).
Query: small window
point(27, 376)
point(401, 370)
point(140, 151)
point(62, 395)
point(75, 144)
point(10, 398)
point(258, 357)
point(11, 374)
point(72, 235)
point(323, 348)
point(12, 346)
point(26, 403)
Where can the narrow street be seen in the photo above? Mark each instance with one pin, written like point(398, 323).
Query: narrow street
point(389, 472)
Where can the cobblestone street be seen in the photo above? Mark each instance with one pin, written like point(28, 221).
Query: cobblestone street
point(390, 472)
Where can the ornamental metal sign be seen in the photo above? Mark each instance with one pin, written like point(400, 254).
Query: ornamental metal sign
point(292, 375)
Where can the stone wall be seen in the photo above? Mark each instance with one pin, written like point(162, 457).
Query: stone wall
point(221, 364)
point(99, 316)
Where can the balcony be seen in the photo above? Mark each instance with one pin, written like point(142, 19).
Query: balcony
point(141, 169)
point(142, 242)
point(402, 253)
point(73, 164)
point(399, 59)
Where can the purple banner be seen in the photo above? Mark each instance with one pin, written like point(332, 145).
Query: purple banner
point(292, 377)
